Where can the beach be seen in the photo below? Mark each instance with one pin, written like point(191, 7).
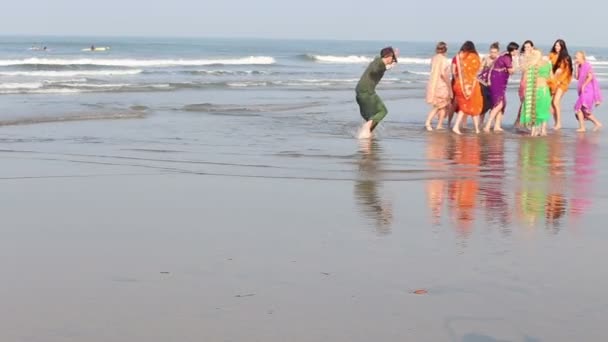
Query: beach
point(251, 212)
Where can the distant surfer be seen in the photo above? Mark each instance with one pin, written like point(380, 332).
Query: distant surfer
point(371, 106)
point(92, 47)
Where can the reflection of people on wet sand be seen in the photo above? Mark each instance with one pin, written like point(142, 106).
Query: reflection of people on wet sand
point(368, 188)
point(493, 194)
point(584, 173)
point(464, 187)
point(436, 154)
point(556, 209)
point(533, 173)
point(556, 200)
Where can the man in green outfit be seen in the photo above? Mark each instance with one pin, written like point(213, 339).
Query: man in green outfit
point(371, 106)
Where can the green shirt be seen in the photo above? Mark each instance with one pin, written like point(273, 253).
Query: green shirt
point(371, 77)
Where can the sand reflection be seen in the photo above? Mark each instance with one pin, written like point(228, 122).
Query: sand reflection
point(368, 188)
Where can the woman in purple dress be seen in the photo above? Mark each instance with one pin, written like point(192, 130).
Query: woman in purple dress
point(499, 77)
point(589, 93)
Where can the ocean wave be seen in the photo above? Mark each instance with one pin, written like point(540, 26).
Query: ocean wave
point(247, 84)
point(17, 86)
point(602, 64)
point(329, 80)
point(91, 85)
point(339, 59)
point(127, 114)
point(245, 109)
point(43, 73)
point(418, 73)
point(252, 60)
point(414, 60)
point(226, 72)
point(40, 91)
point(354, 59)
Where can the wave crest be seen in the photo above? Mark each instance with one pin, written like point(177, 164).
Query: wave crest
point(47, 73)
point(339, 59)
point(252, 60)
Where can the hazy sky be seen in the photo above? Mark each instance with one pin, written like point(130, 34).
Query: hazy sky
point(404, 20)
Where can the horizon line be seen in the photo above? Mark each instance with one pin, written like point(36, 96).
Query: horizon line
point(136, 36)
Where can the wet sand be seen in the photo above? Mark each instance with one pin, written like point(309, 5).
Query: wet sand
point(158, 229)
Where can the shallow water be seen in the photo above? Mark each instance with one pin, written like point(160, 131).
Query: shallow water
point(284, 227)
point(255, 215)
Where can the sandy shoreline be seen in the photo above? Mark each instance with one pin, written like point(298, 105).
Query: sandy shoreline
point(282, 227)
point(189, 258)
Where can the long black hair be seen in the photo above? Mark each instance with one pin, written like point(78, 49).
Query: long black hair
point(513, 46)
point(468, 46)
point(563, 55)
point(523, 46)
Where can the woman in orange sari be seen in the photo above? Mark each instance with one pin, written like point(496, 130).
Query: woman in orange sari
point(467, 90)
point(562, 71)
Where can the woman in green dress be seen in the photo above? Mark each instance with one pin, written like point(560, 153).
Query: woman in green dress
point(536, 109)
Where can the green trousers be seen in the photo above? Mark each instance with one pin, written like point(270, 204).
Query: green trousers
point(371, 107)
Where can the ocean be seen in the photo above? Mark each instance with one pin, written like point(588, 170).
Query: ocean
point(206, 75)
point(214, 189)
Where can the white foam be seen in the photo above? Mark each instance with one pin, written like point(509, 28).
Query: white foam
point(253, 60)
point(600, 63)
point(300, 84)
point(247, 84)
point(341, 59)
point(231, 72)
point(71, 73)
point(334, 80)
point(414, 60)
point(353, 59)
point(34, 85)
point(95, 86)
point(421, 73)
point(41, 91)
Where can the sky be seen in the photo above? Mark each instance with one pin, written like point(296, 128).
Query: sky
point(404, 20)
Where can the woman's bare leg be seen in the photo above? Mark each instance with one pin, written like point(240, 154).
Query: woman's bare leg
point(442, 113)
point(476, 123)
point(429, 118)
point(456, 128)
point(557, 109)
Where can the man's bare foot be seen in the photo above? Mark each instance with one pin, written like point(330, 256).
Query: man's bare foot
point(440, 128)
point(597, 127)
point(456, 130)
point(477, 131)
point(428, 127)
point(498, 129)
point(486, 129)
point(557, 127)
point(581, 130)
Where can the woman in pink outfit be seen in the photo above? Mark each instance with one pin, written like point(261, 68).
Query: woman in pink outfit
point(589, 94)
point(439, 89)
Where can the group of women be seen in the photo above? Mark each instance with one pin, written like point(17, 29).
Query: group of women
point(470, 86)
